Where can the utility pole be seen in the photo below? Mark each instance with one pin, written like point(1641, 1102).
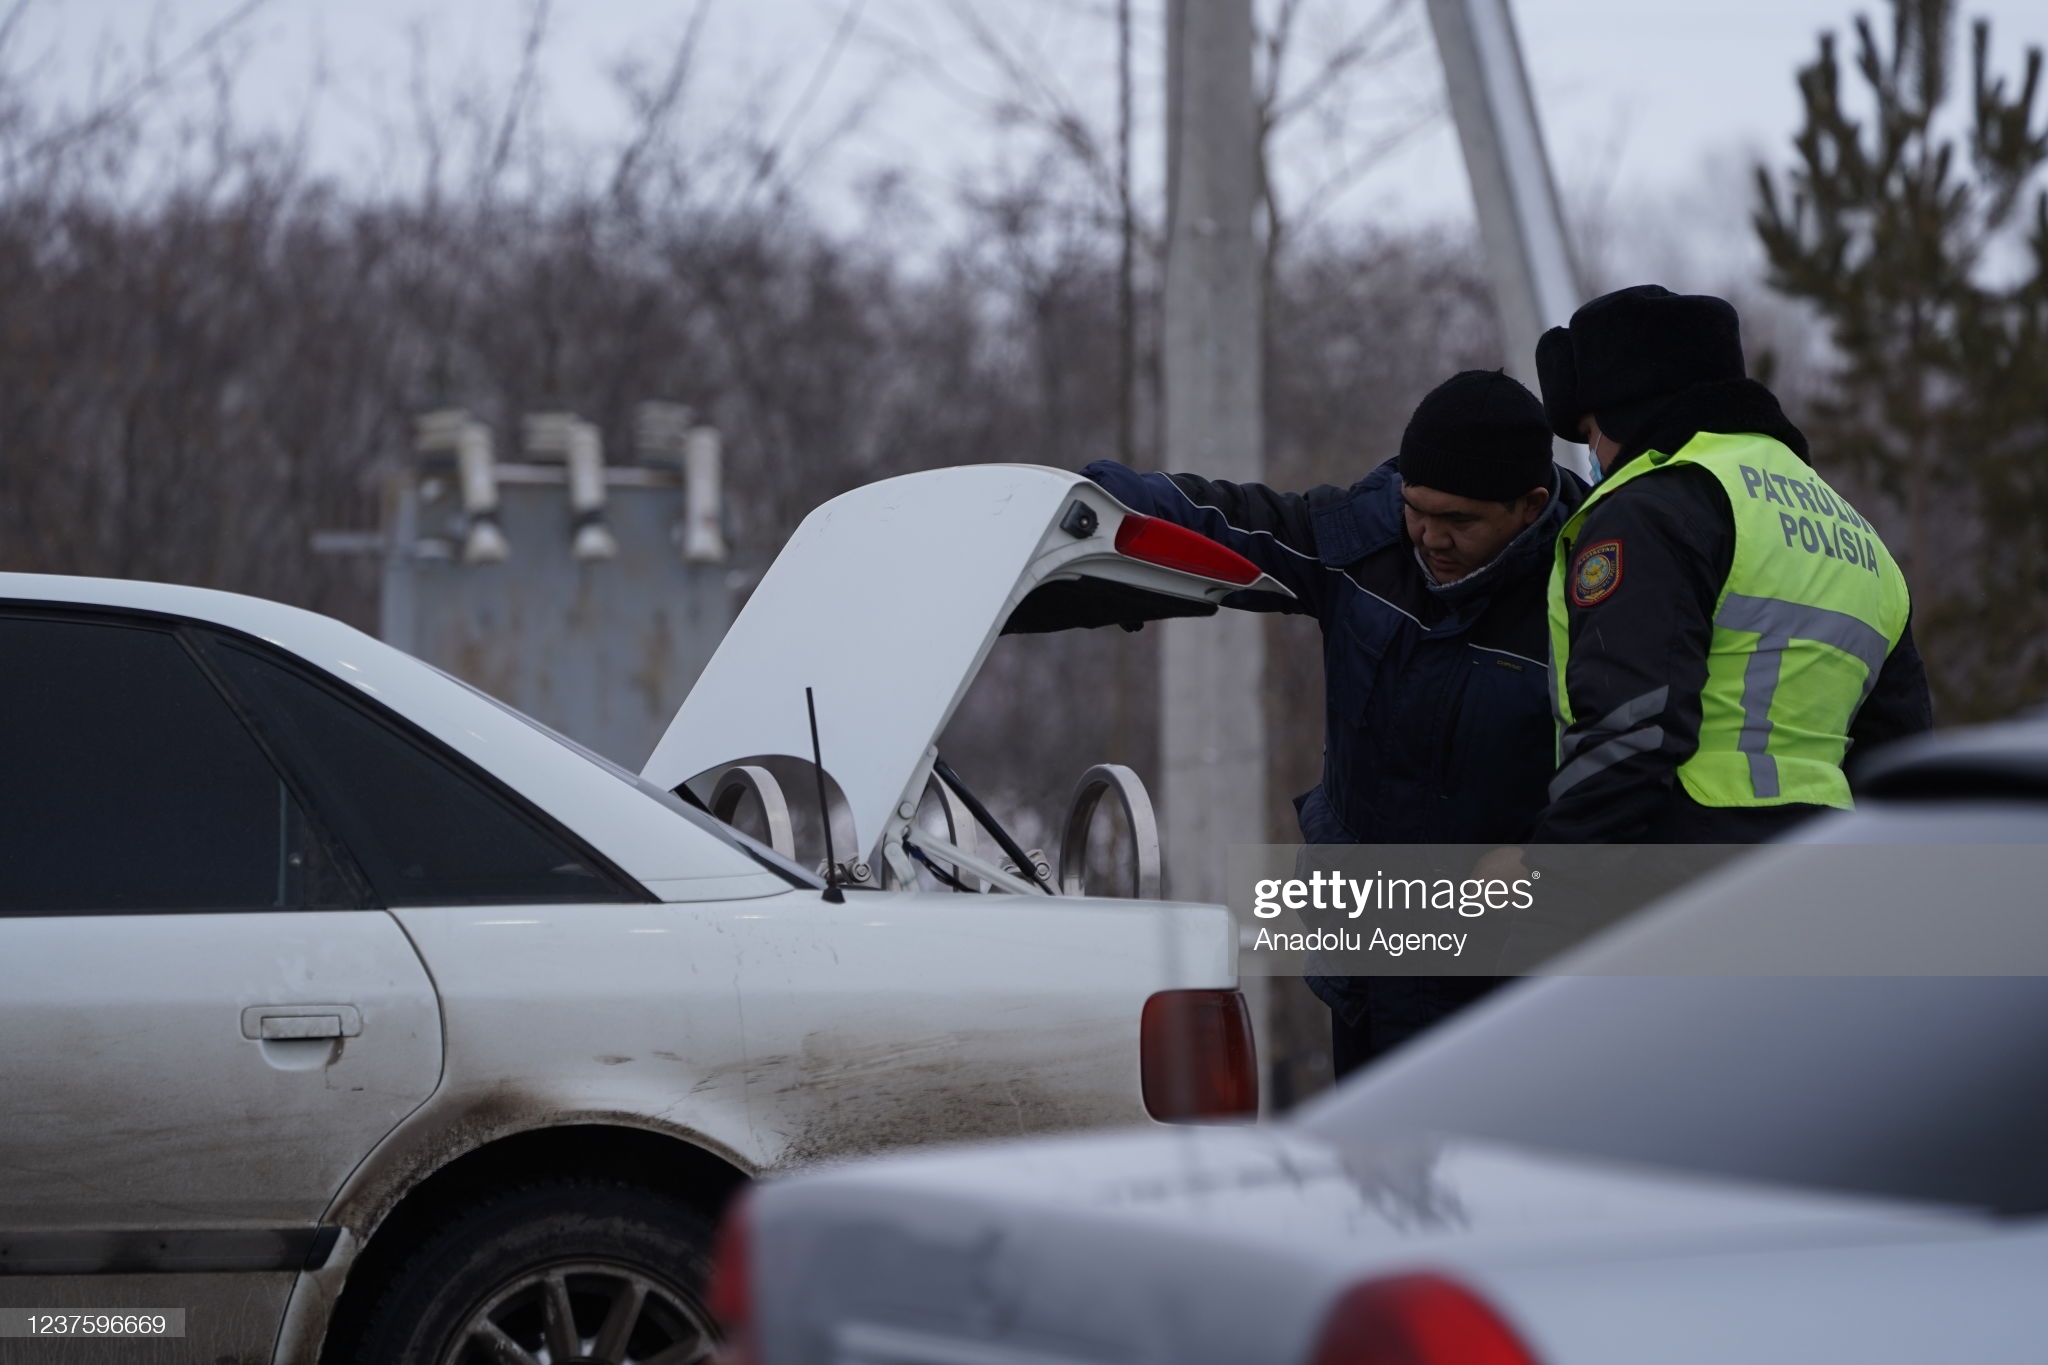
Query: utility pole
point(1521, 227)
point(1212, 733)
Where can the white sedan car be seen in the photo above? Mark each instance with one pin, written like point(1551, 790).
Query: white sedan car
point(348, 1015)
point(1649, 1157)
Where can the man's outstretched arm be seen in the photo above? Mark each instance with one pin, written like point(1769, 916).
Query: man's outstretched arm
point(1269, 528)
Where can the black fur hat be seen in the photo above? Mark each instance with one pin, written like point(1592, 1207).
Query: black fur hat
point(1479, 434)
point(1627, 351)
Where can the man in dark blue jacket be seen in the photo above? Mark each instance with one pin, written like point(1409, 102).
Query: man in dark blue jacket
point(1428, 578)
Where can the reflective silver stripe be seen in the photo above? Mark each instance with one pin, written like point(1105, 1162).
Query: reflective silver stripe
point(1632, 712)
point(1772, 616)
point(1556, 687)
point(1759, 685)
point(1777, 623)
point(1605, 757)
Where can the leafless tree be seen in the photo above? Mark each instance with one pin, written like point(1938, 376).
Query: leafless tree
point(195, 378)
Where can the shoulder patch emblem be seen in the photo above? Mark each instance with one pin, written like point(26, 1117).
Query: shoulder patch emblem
point(1596, 572)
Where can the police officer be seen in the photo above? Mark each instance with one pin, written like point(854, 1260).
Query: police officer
point(1725, 627)
point(1428, 579)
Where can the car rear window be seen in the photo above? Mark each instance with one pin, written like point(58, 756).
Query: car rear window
point(1925, 1088)
point(425, 829)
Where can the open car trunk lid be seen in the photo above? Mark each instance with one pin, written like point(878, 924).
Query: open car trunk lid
point(888, 598)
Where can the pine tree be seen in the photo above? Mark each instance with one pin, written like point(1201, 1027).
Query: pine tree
point(1932, 279)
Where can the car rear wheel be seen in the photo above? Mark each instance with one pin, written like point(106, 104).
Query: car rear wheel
point(567, 1273)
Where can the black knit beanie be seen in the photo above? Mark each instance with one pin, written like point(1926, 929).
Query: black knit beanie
point(1478, 434)
point(1626, 352)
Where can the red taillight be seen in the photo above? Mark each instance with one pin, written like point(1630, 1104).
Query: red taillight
point(1176, 547)
point(731, 1294)
point(1196, 1058)
point(1416, 1320)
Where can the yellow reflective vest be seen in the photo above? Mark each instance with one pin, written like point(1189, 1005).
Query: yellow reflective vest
point(1812, 606)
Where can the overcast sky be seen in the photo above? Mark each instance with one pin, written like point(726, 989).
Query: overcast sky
point(1642, 100)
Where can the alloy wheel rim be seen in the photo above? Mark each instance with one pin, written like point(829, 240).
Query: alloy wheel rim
point(585, 1312)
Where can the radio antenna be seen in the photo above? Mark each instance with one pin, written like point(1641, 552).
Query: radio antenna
point(832, 891)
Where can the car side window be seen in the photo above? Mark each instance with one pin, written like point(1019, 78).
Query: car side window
point(128, 784)
point(424, 829)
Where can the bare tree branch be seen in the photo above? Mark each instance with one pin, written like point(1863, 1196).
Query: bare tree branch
point(1319, 199)
point(156, 77)
point(771, 153)
point(12, 22)
point(426, 119)
point(1374, 43)
point(659, 107)
point(521, 94)
point(1040, 101)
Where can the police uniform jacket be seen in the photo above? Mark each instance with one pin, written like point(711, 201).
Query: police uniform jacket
point(1646, 630)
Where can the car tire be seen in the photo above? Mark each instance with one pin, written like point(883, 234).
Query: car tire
point(566, 1270)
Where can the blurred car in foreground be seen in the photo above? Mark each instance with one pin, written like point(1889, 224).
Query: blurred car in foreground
point(1593, 1168)
point(364, 1019)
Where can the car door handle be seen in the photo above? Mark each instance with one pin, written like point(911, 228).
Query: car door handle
point(297, 1023)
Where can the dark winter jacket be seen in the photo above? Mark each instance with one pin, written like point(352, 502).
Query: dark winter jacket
point(1437, 723)
point(1654, 629)
point(1437, 720)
